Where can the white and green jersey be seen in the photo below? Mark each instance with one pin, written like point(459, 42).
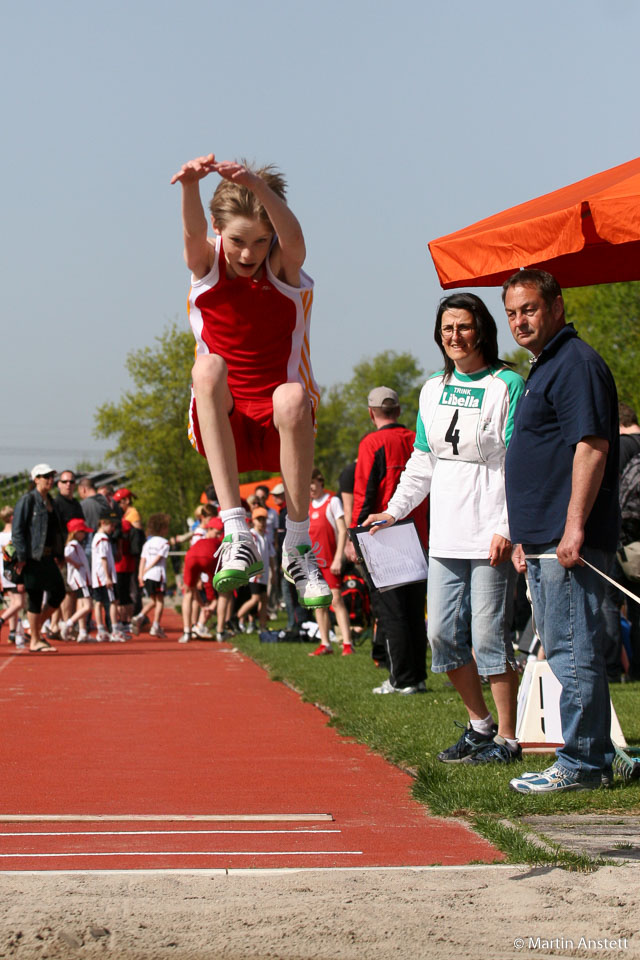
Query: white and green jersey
point(463, 430)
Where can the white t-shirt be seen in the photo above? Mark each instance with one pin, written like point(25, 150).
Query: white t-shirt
point(101, 549)
point(199, 533)
point(463, 430)
point(156, 547)
point(77, 576)
point(265, 549)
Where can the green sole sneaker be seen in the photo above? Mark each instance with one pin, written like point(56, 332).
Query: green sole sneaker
point(301, 568)
point(313, 602)
point(239, 561)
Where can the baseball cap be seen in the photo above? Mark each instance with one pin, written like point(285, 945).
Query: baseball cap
point(383, 397)
point(259, 512)
point(214, 523)
point(41, 470)
point(123, 492)
point(76, 525)
point(278, 490)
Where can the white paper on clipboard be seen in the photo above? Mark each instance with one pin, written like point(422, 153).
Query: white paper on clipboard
point(393, 556)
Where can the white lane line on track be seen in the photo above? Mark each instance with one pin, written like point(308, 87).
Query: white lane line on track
point(7, 662)
point(164, 817)
point(259, 871)
point(189, 853)
point(159, 833)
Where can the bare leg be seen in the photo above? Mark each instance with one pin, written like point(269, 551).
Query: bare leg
point(324, 624)
point(99, 617)
point(249, 605)
point(186, 609)
point(504, 687)
point(35, 624)
point(14, 606)
point(214, 404)
point(159, 609)
point(467, 683)
point(342, 615)
point(222, 611)
point(262, 611)
point(293, 420)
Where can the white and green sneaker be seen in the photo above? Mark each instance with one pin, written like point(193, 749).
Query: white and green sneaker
point(239, 560)
point(300, 567)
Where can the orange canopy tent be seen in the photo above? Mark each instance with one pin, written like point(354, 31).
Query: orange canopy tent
point(586, 233)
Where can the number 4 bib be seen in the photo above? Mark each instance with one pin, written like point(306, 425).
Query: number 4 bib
point(455, 429)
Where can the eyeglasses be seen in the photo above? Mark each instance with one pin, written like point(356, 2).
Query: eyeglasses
point(464, 329)
point(64, 480)
point(45, 476)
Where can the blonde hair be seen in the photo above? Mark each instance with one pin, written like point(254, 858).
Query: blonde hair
point(5, 514)
point(233, 200)
point(73, 535)
point(204, 510)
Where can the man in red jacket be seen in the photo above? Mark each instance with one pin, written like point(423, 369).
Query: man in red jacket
point(382, 456)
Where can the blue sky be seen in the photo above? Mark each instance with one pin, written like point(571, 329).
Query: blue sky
point(394, 123)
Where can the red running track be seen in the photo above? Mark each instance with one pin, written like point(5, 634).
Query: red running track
point(158, 755)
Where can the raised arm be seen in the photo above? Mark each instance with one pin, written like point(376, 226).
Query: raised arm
point(288, 255)
point(198, 251)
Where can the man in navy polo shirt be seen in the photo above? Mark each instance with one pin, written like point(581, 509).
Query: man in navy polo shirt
point(562, 496)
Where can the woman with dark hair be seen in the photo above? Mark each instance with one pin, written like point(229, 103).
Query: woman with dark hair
point(464, 426)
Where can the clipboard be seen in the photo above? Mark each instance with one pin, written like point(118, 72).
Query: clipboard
point(393, 557)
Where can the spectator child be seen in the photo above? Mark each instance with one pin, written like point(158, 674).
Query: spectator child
point(152, 575)
point(258, 584)
point(199, 568)
point(78, 578)
point(329, 531)
point(103, 578)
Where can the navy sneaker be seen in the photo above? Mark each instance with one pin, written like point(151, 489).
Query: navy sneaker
point(498, 751)
point(469, 743)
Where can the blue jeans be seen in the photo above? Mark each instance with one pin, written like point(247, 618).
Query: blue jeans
point(567, 605)
point(470, 604)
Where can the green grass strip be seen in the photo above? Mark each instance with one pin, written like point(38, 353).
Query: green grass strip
point(411, 731)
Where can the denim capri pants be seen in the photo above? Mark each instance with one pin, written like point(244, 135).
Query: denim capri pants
point(470, 605)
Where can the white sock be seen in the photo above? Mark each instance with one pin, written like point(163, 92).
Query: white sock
point(512, 744)
point(235, 521)
point(484, 727)
point(297, 533)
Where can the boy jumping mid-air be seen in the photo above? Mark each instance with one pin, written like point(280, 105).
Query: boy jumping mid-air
point(253, 395)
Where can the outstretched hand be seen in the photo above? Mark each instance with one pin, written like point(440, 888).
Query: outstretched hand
point(195, 170)
point(237, 173)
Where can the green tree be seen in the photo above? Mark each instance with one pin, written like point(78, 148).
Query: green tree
point(607, 316)
point(343, 417)
point(520, 359)
point(150, 425)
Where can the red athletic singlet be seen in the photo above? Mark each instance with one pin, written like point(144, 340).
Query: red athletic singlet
point(261, 329)
point(321, 531)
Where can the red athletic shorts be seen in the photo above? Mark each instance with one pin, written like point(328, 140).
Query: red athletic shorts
point(334, 582)
point(256, 438)
point(199, 559)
